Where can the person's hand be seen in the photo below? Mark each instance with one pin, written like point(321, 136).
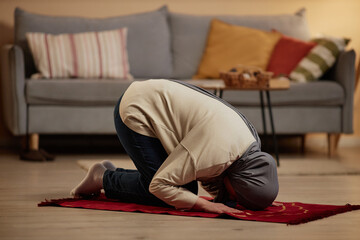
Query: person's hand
point(276, 204)
point(211, 207)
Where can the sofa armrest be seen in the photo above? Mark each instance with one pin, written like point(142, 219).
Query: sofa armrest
point(344, 74)
point(13, 89)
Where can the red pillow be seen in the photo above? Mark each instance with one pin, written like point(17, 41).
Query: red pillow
point(288, 52)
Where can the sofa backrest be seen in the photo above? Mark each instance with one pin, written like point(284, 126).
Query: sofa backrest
point(149, 46)
point(161, 44)
point(189, 35)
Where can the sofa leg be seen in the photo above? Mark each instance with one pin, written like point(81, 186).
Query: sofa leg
point(333, 141)
point(303, 143)
point(32, 152)
point(34, 141)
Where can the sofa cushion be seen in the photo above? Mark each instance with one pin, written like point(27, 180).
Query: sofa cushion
point(149, 46)
point(321, 93)
point(106, 92)
point(287, 53)
point(321, 58)
point(88, 92)
point(230, 45)
point(189, 34)
point(81, 55)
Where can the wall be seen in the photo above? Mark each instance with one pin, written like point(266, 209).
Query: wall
point(330, 17)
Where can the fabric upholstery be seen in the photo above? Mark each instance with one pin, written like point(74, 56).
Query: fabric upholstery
point(297, 119)
point(105, 92)
point(71, 119)
point(12, 86)
point(287, 53)
point(189, 34)
point(99, 119)
point(230, 45)
point(319, 59)
point(91, 92)
point(148, 37)
point(322, 93)
point(87, 55)
point(344, 73)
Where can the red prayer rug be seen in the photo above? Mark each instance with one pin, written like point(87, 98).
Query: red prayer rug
point(281, 212)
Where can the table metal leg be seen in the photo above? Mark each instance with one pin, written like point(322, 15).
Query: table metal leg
point(221, 93)
point(272, 128)
point(263, 119)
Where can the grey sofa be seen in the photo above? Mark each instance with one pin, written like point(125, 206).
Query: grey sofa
point(161, 44)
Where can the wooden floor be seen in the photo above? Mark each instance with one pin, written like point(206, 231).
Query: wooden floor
point(24, 184)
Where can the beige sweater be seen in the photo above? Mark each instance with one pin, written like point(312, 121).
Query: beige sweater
point(202, 136)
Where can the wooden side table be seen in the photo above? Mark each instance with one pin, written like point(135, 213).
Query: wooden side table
point(275, 84)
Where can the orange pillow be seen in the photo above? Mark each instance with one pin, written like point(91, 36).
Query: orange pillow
point(287, 53)
point(229, 45)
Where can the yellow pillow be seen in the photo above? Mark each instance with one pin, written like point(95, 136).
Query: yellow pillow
point(229, 45)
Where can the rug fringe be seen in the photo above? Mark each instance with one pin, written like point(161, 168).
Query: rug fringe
point(328, 213)
point(55, 202)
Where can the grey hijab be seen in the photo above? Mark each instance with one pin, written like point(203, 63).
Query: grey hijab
point(254, 179)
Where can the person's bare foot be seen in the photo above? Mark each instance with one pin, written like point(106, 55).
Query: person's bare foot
point(92, 183)
point(108, 165)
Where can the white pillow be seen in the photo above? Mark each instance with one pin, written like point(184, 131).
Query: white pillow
point(81, 55)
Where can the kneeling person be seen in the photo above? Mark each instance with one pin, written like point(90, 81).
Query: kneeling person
point(177, 134)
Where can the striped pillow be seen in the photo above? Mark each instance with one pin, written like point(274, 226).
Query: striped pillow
point(81, 55)
point(319, 59)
